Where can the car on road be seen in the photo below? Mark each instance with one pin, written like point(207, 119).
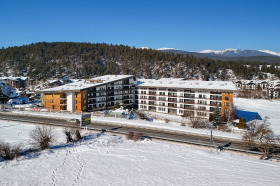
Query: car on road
point(73, 121)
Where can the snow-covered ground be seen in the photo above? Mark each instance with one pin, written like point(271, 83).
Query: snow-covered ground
point(157, 124)
point(113, 160)
point(270, 108)
point(17, 132)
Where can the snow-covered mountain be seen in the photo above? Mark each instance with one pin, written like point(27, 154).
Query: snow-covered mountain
point(240, 53)
point(231, 54)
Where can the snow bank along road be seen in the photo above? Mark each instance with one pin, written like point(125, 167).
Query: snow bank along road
point(154, 133)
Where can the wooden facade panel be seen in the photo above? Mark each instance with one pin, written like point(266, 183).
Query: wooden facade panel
point(81, 101)
point(53, 101)
point(227, 102)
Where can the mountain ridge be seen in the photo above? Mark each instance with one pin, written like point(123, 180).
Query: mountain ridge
point(231, 54)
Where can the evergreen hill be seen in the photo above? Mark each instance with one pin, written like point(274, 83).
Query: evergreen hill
point(85, 60)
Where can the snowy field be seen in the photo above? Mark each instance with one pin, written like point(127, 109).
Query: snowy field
point(157, 124)
point(113, 160)
point(264, 108)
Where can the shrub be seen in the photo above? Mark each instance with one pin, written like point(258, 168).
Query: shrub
point(43, 136)
point(167, 120)
point(69, 134)
point(9, 151)
point(137, 136)
point(198, 123)
point(78, 135)
point(141, 115)
point(183, 124)
point(223, 127)
point(129, 135)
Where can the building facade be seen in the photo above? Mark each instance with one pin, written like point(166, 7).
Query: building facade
point(182, 97)
point(92, 94)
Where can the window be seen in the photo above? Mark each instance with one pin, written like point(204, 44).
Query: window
point(76, 101)
point(226, 98)
point(226, 104)
point(161, 109)
point(84, 95)
point(161, 103)
point(52, 100)
point(53, 106)
point(76, 107)
point(84, 107)
point(52, 95)
point(201, 113)
point(76, 95)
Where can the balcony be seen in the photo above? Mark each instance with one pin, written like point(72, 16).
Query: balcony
point(189, 108)
point(152, 93)
point(188, 102)
point(172, 100)
point(189, 91)
point(201, 98)
point(201, 109)
point(172, 95)
point(172, 105)
point(213, 92)
point(189, 96)
point(103, 90)
point(216, 98)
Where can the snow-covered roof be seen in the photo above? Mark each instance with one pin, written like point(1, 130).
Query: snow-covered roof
point(14, 78)
point(7, 90)
point(83, 84)
point(187, 84)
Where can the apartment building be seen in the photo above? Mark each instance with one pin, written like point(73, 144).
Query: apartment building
point(91, 94)
point(179, 96)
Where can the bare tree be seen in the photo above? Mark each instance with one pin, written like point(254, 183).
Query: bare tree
point(9, 151)
point(42, 136)
point(260, 136)
point(196, 122)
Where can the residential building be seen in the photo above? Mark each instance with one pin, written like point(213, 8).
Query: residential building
point(91, 94)
point(17, 82)
point(185, 97)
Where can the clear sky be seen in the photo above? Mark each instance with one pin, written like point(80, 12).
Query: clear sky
point(182, 24)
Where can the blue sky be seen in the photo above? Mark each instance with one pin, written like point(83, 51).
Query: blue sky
point(182, 24)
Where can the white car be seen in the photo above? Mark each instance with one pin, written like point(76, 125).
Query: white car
point(73, 121)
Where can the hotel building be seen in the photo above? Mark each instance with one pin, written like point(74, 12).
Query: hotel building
point(91, 94)
point(179, 96)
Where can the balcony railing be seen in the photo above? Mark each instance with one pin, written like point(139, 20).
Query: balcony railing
point(189, 96)
point(215, 98)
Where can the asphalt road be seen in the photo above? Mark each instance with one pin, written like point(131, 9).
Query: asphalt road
point(149, 133)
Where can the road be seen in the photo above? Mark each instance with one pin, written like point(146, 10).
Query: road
point(150, 133)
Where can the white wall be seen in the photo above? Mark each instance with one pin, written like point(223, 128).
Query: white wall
point(70, 101)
